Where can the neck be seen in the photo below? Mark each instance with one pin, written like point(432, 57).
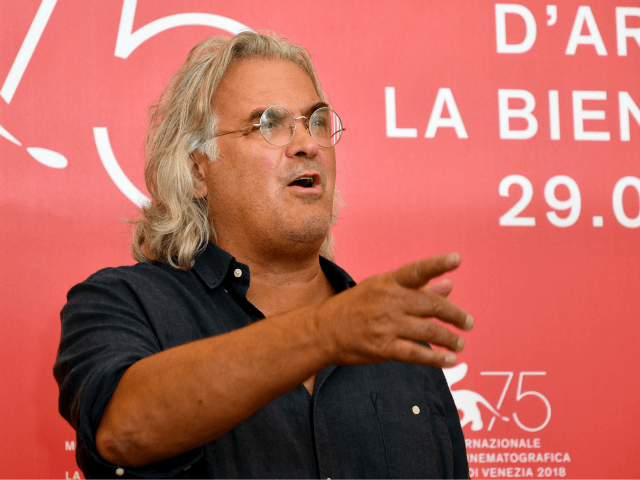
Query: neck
point(282, 282)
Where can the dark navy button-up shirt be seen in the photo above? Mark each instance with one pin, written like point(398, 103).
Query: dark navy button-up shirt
point(389, 420)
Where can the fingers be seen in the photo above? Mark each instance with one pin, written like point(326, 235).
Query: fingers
point(425, 303)
point(388, 317)
point(443, 287)
point(417, 274)
point(426, 331)
point(412, 352)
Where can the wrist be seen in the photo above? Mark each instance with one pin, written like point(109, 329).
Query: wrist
point(320, 334)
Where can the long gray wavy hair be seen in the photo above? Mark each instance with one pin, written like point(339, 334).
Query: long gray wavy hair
point(175, 224)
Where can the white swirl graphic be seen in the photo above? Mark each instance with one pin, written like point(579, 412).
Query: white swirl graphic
point(126, 42)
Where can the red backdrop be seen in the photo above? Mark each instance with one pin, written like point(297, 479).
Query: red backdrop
point(507, 132)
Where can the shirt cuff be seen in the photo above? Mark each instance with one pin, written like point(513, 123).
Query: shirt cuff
point(94, 466)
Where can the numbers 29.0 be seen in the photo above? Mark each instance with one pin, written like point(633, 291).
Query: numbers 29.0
point(573, 204)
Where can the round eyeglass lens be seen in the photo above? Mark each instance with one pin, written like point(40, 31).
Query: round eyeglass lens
point(325, 127)
point(276, 125)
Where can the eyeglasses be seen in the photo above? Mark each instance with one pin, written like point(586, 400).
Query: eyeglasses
point(278, 126)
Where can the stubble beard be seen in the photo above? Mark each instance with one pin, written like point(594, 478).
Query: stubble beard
point(314, 228)
point(306, 233)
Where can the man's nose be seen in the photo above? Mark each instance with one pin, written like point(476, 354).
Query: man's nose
point(302, 144)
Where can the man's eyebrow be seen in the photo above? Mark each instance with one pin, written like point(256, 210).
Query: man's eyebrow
point(314, 107)
point(254, 117)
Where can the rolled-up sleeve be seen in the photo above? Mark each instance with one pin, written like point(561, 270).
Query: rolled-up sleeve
point(105, 330)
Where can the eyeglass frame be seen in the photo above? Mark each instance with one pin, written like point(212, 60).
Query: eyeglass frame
point(308, 121)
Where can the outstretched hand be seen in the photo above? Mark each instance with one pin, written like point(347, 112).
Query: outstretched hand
point(388, 316)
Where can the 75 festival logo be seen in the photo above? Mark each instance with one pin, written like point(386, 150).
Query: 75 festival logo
point(127, 42)
point(469, 401)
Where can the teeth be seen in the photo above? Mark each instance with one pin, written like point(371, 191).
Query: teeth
point(306, 182)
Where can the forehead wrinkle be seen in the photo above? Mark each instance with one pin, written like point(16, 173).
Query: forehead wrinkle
point(240, 87)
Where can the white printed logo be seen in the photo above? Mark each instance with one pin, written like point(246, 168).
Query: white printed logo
point(126, 43)
point(44, 156)
point(468, 401)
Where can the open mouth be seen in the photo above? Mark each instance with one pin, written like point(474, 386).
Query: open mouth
point(304, 182)
point(307, 181)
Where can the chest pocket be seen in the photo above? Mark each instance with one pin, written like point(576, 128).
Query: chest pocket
point(416, 438)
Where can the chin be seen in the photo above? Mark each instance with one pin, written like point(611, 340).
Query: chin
point(311, 231)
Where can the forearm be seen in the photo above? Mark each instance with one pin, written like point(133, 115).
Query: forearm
point(189, 395)
point(184, 397)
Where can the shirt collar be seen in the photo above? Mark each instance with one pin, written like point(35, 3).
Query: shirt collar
point(214, 264)
point(339, 279)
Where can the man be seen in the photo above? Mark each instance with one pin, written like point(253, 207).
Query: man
point(233, 349)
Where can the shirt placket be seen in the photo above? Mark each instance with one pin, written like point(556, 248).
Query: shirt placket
point(322, 438)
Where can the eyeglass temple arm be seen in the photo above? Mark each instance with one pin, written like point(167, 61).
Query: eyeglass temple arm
point(339, 131)
point(255, 125)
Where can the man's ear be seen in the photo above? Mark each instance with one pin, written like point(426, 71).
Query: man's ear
point(200, 170)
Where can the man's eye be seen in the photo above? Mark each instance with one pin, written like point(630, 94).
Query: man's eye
point(321, 119)
point(273, 123)
point(320, 124)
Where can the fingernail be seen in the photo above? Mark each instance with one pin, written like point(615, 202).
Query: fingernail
point(460, 344)
point(468, 325)
point(453, 260)
point(450, 360)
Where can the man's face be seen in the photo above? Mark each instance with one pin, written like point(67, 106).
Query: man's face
point(251, 195)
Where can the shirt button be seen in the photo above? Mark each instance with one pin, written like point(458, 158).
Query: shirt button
point(119, 471)
point(415, 409)
point(237, 273)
